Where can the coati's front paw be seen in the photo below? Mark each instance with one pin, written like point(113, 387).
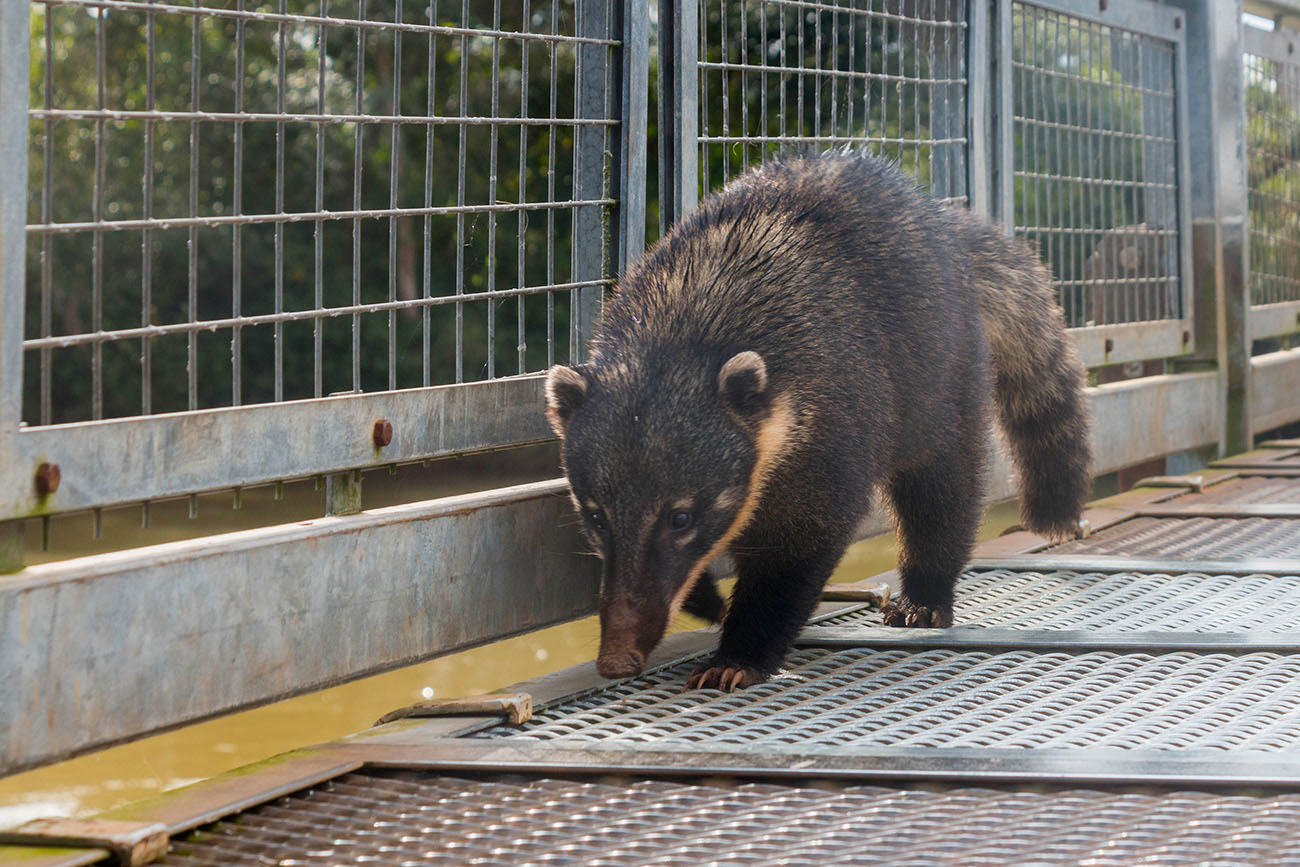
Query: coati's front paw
point(901, 612)
point(726, 675)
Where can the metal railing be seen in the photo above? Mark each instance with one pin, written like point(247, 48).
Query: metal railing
point(238, 204)
point(1272, 72)
point(234, 235)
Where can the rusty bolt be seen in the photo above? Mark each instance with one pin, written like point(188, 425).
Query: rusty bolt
point(1178, 22)
point(1110, 346)
point(1187, 337)
point(383, 433)
point(47, 479)
point(1103, 4)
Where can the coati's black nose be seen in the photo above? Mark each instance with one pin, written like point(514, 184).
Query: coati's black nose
point(620, 663)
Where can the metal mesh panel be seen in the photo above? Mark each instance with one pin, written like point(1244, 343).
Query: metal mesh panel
point(1187, 538)
point(781, 73)
point(948, 698)
point(244, 201)
point(1250, 489)
point(411, 818)
point(1122, 602)
point(1096, 164)
point(1273, 177)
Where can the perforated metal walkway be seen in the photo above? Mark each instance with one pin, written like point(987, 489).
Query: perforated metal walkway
point(1129, 697)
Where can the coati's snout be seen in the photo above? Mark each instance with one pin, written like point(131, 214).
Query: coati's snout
point(660, 469)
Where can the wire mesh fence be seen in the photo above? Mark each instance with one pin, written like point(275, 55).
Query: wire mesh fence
point(1272, 86)
point(244, 201)
point(887, 74)
point(1096, 161)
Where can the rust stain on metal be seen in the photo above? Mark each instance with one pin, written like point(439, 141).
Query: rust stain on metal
point(517, 708)
point(382, 433)
point(47, 478)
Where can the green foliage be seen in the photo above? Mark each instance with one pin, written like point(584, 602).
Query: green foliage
point(217, 168)
point(1273, 178)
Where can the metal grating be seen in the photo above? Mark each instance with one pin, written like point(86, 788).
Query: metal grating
point(832, 73)
point(1121, 602)
point(261, 200)
point(1189, 538)
point(1248, 489)
point(948, 698)
point(1273, 176)
point(1096, 164)
point(413, 818)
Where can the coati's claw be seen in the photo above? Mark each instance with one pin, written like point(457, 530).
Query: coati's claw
point(904, 613)
point(727, 678)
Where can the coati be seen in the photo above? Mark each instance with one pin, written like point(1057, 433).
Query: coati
point(816, 330)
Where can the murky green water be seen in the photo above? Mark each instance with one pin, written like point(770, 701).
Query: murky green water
point(126, 773)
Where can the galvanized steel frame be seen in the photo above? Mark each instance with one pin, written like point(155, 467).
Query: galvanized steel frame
point(139, 458)
point(132, 635)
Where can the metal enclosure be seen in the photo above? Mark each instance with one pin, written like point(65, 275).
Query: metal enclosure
point(236, 234)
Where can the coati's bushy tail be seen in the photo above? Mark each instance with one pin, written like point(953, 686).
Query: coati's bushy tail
point(1038, 381)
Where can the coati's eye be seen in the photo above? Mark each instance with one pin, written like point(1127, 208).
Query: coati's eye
point(597, 520)
point(680, 520)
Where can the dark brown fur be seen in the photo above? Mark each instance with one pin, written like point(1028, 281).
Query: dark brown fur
point(817, 330)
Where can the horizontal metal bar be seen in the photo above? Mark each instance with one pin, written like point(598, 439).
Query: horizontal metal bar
point(1260, 458)
point(1058, 767)
point(150, 638)
point(1134, 341)
point(315, 21)
point(1276, 45)
point(111, 114)
point(967, 637)
point(148, 331)
point(830, 138)
point(121, 461)
point(1107, 563)
point(160, 223)
point(1274, 389)
point(1138, 16)
point(1140, 419)
point(796, 71)
point(1238, 510)
point(1271, 320)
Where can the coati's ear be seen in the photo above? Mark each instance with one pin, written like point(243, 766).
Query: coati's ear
point(742, 383)
point(566, 389)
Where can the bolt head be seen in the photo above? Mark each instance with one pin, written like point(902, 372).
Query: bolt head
point(383, 433)
point(47, 478)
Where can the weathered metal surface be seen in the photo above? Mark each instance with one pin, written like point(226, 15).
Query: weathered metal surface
point(1117, 563)
point(166, 455)
point(1140, 419)
point(1214, 510)
point(133, 635)
point(630, 164)
point(1166, 601)
point(1132, 341)
point(870, 634)
point(132, 844)
point(1275, 389)
point(1189, 538)
point(1270, 320)
point(515, 707)
point(15, 28)
point(1250, 490)
point(434, 819)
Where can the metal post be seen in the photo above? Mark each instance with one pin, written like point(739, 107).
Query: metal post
point(590, 259)
point(979, 106)
point(1002, 126)
point(1217, 170)
point(948, 119)
point(679, 101)
point(14, 63)
point(343, 493)
point(633, 79)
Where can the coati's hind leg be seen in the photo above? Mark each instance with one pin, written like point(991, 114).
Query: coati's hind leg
point(938, 513)
point(777, 588)
point(704, 601)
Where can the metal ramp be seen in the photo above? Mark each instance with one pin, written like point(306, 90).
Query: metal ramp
point(1129, 697)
